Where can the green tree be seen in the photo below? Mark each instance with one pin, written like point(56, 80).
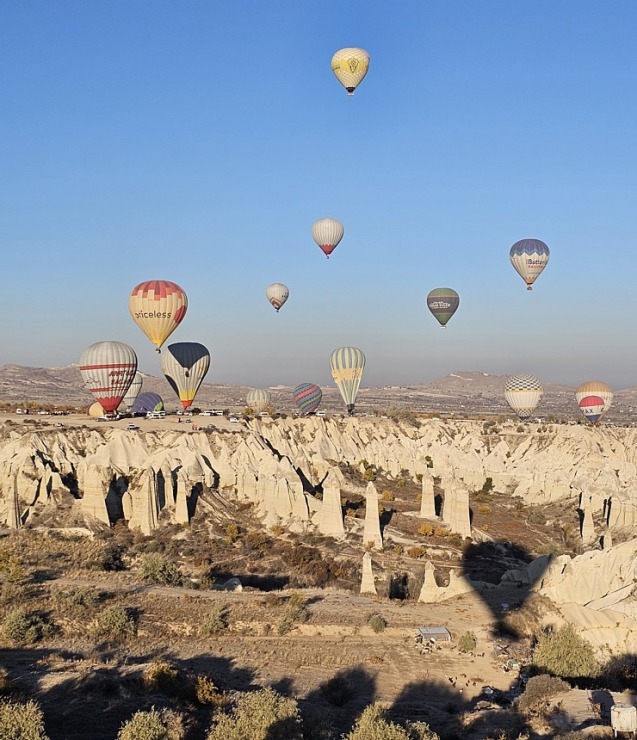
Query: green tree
point(564, 653)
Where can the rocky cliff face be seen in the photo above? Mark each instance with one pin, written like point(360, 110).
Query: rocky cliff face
point(276, 464)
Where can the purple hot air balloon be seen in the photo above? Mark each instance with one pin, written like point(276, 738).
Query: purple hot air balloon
point(146, 402)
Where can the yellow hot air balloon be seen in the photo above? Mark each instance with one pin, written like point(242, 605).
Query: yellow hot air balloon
point(157, 307)
point(185, 365)
point(350, 66)
point(347, 365)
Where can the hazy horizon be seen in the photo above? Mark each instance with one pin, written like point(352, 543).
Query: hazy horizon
point(199, 142)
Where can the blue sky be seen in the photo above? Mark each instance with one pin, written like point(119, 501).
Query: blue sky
point(199, 141)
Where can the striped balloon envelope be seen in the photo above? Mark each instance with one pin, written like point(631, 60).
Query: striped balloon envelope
point(108, 369)
point(350, 66)
point(158, 307)
point(347, 365)
point(277, 294)
point(307, 397)
point(184, 365)
point(595, 388)
point(592, 407)
point(146, 402)
point(523, 393)
point(529, 257)
point(327, 233)
point(133, 391)
point(258, 399)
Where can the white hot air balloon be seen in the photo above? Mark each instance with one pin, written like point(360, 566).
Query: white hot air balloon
point(595, 388)
point(327, 233)
point(258, 399)
point(107, 369)
point(523, 393)
point(350, 66)
point(277, 294)
point(133, 391)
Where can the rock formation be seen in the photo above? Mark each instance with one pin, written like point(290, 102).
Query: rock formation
point(368, 586)
point(331, 516)
point(371, 530)
point(427, 499)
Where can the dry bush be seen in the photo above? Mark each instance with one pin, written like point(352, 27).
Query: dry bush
point(21, 721)
point(116, 623)
point(208, 693)
point(153, 725)
point(259, 715)
point(216, 623)
point(26, 627)
point(160, 570)
point(373, 725)
point(467, 642)
point(539, 690)
point(160, 677)
point(416, 551)
point(377, 622)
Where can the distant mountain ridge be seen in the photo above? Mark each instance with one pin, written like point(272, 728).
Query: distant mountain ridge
point(468, 392)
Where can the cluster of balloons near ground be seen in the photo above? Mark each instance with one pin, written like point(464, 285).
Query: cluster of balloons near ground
point(159, 306)
point(109, 368)
point(523, 394)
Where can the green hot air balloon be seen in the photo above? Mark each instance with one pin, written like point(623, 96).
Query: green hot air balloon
point(347, 365)
point(443, 303)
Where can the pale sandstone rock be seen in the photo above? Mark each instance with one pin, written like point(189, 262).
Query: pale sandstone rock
point(427, 499)
point(368, 586)
point(331, 517)
point(371, 530)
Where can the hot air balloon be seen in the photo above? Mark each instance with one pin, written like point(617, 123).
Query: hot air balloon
point(523, 393)
point(157, 307)
point(277, 294)
point(146, 402)
point(307, 397)
point(347, 365)
point(327, 233)
point(185, 365)
point(133, 391)
point(529, 257)
point(258, 399)
point(350, 67)
point(443, 303)
point(592, 407)
point(595, 388)
point(108, 369)
point(95, 410)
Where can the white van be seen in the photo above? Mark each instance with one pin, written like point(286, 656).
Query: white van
point(156, 415)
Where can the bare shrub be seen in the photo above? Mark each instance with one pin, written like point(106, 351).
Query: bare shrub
point(538, 691)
